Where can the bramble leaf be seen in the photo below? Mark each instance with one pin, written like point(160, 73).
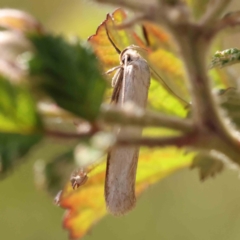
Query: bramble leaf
point(86, 204)
point(53, 175)
point(70, 74)
point(160, 54)
point(13, 147)
point(230, 101)
point(19, 124)
point(103, 48)
point(208, 166)
point(17, 109)
point(225, 58)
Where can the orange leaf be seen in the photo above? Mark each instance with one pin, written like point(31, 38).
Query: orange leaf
point(86, 205)
point(100, 41)
point(156, 37)
point(170, 69)
point(160, 49)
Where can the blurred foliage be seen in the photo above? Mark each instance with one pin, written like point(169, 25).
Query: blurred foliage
point(229, 100)
point(86, 204)
point(17, 109)
point(13, 147)
point(198, 7)
point(67, 69)
point(225, 58)
point(56, 172)
point(70, 74)
point(19, 124)
point(208, 165)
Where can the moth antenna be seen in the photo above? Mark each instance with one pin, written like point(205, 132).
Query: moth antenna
point(137, 48)
point(169, 89)
point(145, 35)
point(111, 41)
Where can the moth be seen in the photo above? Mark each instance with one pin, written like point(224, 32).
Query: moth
point(131, 83)
point(78, 178)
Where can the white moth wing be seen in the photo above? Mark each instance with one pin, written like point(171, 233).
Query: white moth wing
point(122, 161)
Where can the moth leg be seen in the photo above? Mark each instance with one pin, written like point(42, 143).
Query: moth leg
point(113, 69)
point(117, 77)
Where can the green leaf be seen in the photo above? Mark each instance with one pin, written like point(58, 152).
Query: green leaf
point(86, 204)
point(87, 154)
point(159, 99)
point(17, 109)
point(19, 123)
point(230, 101)
point(208, 165)
point(57, 172)
point(70, 74)
point(198, 7)
point(225, 58)
point(13, 147)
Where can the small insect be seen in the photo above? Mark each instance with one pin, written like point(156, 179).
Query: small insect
point(78, 178)
point(131, 83)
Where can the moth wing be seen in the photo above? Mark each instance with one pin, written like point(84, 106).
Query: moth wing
point(117, 84)
point(122, 160)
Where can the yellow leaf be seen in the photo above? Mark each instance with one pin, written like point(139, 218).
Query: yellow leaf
point(86, 205)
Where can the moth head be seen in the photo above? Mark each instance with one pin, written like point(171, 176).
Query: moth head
point(129, 55)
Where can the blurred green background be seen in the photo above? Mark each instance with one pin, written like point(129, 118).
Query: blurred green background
point(179, 207)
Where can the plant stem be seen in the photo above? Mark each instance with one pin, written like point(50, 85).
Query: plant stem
point(206, 114)
point(139, 117)
point(177, 141)
point(68, 135)
point(230, 20)
point(214, 10)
